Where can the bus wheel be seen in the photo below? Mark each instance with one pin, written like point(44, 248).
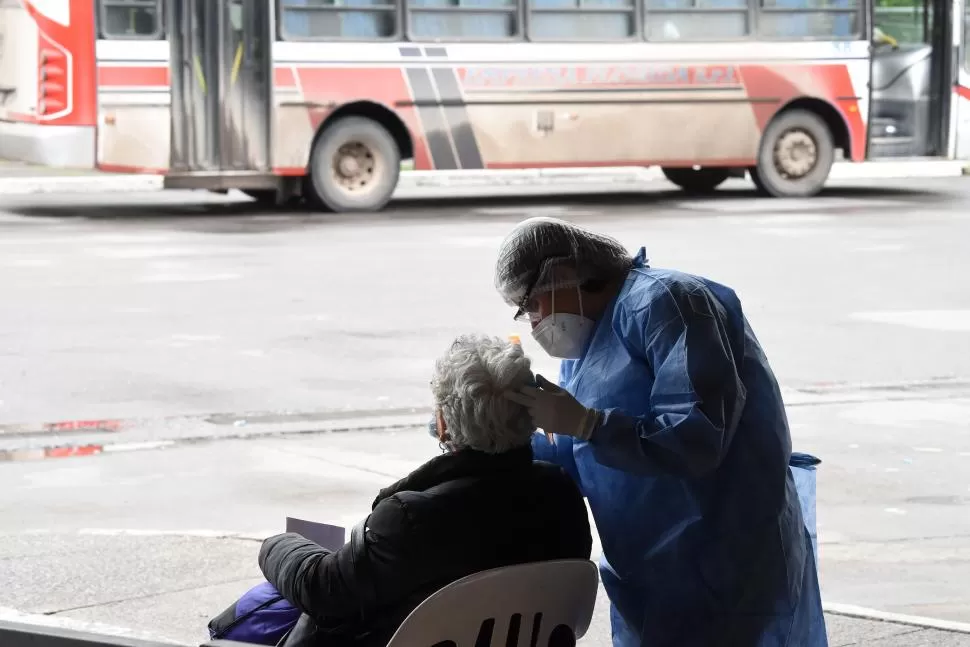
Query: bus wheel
point(697, 181)
point(354, 166)
point(796, 155)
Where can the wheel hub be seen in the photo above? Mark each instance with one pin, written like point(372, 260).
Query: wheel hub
point(354, 166)
point(795, 154)
point(349, 167)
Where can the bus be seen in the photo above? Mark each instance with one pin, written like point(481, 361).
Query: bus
point(325, 100)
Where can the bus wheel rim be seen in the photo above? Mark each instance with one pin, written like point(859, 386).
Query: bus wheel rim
point(796, 154)
point(355, 167)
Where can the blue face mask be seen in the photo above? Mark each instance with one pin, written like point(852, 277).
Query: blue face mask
point(433, 426)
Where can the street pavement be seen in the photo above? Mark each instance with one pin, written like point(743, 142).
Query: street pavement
point(180, 317)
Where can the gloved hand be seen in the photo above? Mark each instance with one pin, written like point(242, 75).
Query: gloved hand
point(554, 410)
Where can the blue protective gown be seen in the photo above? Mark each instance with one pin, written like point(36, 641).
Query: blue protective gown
point(687, 475)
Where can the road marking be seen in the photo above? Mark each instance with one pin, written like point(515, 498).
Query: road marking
point(894, 511)
point(941, 320)
point(928, 450)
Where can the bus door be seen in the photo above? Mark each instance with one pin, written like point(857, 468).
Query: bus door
point(221, 73)
point(912, 72)
point(962, 101)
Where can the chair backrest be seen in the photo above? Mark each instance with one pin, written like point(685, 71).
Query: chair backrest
point(539, 604)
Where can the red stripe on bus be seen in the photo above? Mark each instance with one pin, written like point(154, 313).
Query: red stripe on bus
point(963, 91)
point(158, 76)
point(283, 77)
point(126, 168)
point(141, 76)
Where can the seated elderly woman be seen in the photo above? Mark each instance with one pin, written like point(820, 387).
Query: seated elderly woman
point(483, 504)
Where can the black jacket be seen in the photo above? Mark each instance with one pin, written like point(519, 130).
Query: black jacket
point(457, 514)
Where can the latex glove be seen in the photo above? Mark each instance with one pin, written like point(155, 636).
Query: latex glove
point(554, 410)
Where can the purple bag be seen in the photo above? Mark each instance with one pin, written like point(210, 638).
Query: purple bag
point(261, 617)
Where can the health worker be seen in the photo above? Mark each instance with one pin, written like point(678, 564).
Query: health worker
point(670, 419)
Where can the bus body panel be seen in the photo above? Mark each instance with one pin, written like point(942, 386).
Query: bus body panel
point(47, 101)
point(470, 107)
point(134, 106)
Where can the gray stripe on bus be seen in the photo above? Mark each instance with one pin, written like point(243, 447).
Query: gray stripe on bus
point(456, 112)
point(435, 128)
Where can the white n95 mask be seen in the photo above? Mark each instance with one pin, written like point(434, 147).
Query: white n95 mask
point(564, 335)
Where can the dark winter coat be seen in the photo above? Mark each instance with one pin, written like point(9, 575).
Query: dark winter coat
point(458, 514)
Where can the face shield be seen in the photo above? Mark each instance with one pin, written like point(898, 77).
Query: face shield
point(553, 274)
point(541, 255)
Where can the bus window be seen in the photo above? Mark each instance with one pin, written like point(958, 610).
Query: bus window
point(814, 19)
point(125, 19)
point(582, 20)
point(338, 19)
point(696, 19)
point(463, 19)
point(902, 21)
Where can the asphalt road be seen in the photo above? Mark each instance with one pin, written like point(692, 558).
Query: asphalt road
point(145, 307)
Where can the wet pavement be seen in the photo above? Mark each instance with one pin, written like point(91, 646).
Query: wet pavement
point(191, 318)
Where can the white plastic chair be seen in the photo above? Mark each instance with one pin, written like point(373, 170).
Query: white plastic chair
point(541, 604)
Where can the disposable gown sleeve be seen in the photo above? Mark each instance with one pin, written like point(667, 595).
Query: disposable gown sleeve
point(560, 452)
point(697, 394)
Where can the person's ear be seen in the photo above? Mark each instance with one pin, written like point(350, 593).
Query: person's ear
point(442, 427)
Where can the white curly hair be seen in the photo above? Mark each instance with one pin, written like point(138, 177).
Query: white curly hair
point(469, 387)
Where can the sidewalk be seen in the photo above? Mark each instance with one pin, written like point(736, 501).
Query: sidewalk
point(845, 631)
point(23, 179)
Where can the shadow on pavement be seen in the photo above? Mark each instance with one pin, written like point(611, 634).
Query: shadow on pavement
point(214, 215)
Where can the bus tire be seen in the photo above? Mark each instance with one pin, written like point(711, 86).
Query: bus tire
point(697, 181)
point(759, 185)
point(354, 166)
point(795, 156)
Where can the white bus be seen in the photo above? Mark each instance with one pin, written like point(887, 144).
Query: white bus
point(324, 99)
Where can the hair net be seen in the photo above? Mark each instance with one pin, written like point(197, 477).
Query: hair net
point(544, 254)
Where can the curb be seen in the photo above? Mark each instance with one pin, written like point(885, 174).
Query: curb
point(100, 629)
point(864, 613)
point(420, 181)
point(372, 424)
point(35, 185)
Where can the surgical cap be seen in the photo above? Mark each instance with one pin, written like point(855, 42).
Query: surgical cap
point(543, 254)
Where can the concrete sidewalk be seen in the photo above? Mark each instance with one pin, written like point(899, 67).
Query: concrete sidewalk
point(846, 630)
point(23, 179)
